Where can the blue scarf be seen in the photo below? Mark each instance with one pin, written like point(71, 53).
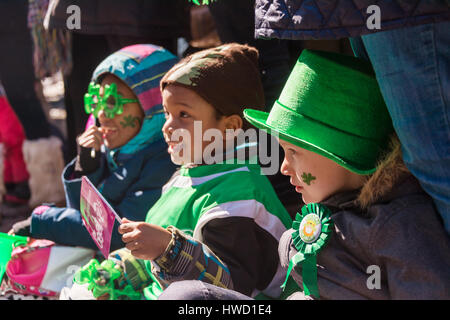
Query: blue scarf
point(149, 133)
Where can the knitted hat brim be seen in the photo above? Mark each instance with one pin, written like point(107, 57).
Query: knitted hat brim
point(259, 120)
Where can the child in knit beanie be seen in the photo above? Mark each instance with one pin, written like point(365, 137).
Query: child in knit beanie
point(227, 210)
point(218, 221)
point(227, 77)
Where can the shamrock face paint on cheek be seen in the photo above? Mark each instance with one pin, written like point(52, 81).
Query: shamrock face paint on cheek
point(130, 121)
point(307, 178)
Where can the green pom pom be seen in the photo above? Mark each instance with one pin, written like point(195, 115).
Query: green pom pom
point(102, 278)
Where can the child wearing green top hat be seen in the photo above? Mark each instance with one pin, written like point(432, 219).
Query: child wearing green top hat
point(367, 230)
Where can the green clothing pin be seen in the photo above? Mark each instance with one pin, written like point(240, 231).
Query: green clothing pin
point(312, 230)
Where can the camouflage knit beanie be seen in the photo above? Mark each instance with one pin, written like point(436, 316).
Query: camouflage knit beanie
point(227, 77)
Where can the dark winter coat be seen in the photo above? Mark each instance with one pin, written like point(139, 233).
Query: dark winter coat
point(390, 224)
point(325, 19)
point(139, 18)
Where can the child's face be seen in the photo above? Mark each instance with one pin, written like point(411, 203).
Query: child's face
point(182, 107)
point(314, 176)
point(120, 129)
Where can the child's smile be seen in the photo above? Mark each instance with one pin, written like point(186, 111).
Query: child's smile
point(184, 108)
point(109, 132)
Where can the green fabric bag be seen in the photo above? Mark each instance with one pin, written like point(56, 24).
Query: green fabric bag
point(7, 243)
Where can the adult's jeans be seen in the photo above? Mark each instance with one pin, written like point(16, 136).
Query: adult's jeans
point(412, 66)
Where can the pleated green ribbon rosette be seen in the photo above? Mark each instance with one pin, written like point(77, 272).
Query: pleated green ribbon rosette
point(312, 231)
point(106, 278)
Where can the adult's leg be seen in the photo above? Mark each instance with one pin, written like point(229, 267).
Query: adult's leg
point(15, 174)
point(12, 136)
point(87, 52)
point(17, 71)
point(412, 66)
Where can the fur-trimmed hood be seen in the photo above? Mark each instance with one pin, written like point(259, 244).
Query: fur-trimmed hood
point(390, 170)
point(390, 222)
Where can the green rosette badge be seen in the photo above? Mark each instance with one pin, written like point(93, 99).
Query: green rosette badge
point(312, 230)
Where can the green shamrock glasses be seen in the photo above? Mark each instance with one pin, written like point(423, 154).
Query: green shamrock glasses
point(111, 102)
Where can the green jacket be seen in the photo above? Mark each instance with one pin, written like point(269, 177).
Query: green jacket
point(233, 211)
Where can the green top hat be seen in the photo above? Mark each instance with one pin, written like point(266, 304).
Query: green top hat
point(331, 104)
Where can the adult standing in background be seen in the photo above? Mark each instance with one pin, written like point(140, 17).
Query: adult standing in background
point(16, 68)
point(408, 44)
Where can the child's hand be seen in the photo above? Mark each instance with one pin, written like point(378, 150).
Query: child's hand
point(144, 240)
point(91, 138)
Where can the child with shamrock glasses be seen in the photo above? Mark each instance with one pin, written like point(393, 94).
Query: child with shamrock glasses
point(368, 230)
point(122, 153)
